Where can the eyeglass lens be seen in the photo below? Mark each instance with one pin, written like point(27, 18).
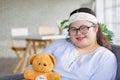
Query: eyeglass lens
point(82, 29)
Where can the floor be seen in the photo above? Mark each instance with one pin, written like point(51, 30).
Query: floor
point(7, 65)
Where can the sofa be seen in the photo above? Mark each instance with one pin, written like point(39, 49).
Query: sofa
point(116, 51)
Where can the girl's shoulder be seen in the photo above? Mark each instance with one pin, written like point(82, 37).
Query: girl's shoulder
point(104, 52)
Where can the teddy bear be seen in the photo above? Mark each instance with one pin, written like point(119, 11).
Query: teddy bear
point(42, 65)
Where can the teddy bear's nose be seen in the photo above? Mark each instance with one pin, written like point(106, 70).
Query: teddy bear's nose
point(44, 64)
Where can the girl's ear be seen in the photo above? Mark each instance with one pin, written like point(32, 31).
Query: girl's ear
point(96, 27)
point(32, 58)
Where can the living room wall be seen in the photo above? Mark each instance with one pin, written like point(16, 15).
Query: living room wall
point(31, 14)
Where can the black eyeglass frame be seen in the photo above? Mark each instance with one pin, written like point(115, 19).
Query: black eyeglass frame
point(79, 29)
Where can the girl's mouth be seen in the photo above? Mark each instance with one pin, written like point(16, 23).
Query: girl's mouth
point(80, 38)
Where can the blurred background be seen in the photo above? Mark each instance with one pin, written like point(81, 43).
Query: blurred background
point(33, 14)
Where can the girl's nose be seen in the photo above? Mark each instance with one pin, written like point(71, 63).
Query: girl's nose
point(78, 32)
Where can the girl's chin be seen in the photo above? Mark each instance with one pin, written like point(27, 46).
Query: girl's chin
point(80, 46)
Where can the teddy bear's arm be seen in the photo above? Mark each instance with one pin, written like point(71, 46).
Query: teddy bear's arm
point(29, 74)
point(53, 76)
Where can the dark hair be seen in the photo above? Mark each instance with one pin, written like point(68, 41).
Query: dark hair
point(101, 38)
point(87, 10)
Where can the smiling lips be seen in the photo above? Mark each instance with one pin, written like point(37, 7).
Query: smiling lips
point(80, 38)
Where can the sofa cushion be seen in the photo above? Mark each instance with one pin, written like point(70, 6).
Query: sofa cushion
point(12, 77)
point(116, 51)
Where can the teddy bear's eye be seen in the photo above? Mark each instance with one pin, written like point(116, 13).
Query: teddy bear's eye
point(45, 64)
point(39, 64)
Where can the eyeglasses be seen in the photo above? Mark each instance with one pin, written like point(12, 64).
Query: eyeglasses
point(83, 29)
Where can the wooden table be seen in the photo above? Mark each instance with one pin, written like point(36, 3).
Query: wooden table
point(31, 40)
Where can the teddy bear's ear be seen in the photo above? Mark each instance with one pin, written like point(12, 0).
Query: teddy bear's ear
point(52, 58)
point(32, 58)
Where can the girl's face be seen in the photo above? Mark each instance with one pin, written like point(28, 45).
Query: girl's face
point(83, 33)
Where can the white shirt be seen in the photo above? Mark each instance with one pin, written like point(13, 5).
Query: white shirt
point(100, 64)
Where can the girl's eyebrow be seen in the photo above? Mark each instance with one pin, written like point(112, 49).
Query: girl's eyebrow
point(77, 26)
point(83, 25)
point(72, 27)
